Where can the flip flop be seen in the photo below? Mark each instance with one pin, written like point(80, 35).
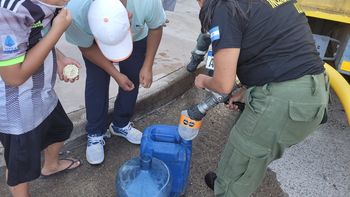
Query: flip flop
point(68, 168)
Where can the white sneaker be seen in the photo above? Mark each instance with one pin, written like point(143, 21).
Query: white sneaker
point(128, 132)
point(94, 150)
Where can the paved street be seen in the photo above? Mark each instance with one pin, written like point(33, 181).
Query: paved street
point(318, 167)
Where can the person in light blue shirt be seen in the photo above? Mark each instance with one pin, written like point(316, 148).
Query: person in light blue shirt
point(146, 18)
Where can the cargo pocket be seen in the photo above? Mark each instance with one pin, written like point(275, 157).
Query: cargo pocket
point(302, 120)
point(258, 159)
point(256, 104)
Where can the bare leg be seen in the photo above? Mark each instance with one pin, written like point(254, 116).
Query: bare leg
point(20, 190)
point(52, 164)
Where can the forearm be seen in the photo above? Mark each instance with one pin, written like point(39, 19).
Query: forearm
point(95, 55)
point(219, 82)
point(59, 55)
point(217, 86)
point(153, 41)
point(36, 56)
point(16, 75)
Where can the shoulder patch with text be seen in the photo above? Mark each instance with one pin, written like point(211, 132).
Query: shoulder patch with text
point(214, 33)
point(9, 43)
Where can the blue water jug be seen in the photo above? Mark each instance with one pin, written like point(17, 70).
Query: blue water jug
point(143, 177)
point(164, 142)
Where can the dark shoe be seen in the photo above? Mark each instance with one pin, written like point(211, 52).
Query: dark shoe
point(74, 164)
point(192, 66)
point(210, 178)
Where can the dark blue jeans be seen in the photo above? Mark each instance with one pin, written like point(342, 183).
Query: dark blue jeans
point(97, 89)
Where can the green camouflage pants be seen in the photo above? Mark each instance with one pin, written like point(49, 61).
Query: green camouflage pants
point(276, 116)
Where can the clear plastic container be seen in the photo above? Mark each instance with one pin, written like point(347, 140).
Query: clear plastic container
point(143, 177)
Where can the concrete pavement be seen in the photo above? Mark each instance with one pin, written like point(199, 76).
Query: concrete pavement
point(318, 167)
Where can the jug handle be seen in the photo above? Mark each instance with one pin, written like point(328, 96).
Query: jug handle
point(162, 137)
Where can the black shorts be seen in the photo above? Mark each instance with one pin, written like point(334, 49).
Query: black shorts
point(23, 152)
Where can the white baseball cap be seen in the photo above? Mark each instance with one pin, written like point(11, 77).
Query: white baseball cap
point(109, 23)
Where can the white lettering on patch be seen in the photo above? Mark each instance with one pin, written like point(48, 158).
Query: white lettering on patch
point(9, 43)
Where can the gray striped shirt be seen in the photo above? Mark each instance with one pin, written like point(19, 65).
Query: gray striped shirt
point(23, 24)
